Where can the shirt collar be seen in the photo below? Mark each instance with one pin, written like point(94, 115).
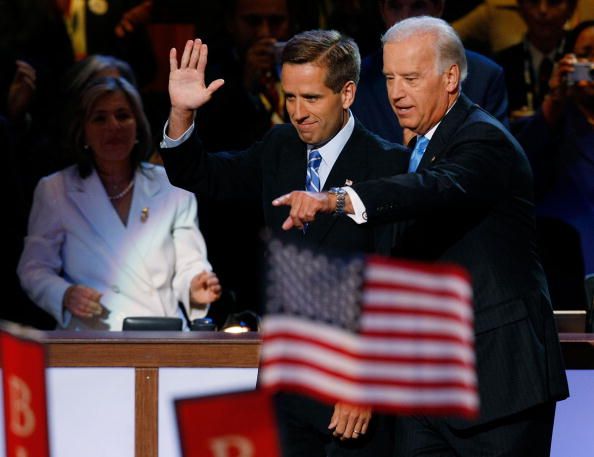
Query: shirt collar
point(331, 150)
point(432, 130)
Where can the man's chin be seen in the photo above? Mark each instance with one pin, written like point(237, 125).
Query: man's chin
point(308, 139)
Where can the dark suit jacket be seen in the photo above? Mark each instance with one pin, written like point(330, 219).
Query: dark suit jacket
point(484, 85)
point(273, 167)
point(277, 165)
point(471, 203)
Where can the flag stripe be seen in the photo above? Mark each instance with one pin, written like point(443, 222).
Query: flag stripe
point(383, 297)
point(353, 389)
point(423, 280)
point(383, 398)
point(397, 336)
point(310, 353)
point(412, 312)
point(421, 325)
point(370, 346)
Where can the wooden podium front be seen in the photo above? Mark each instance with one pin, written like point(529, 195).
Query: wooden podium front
point(147, 357)
point(147, 353)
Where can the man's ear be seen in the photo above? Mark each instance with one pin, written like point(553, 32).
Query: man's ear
point(348, 94)
point(452, 78)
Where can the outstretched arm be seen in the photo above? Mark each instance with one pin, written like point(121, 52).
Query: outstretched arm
point(187, 88)
point(305, 206)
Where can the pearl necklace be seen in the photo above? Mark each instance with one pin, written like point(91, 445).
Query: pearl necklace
point(124, 192)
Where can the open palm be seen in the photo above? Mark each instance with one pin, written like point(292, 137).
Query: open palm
point(187, 88)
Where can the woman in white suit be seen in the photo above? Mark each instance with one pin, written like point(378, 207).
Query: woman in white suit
point(110, 237)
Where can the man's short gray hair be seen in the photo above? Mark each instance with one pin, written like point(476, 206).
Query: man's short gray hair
point(447, 42)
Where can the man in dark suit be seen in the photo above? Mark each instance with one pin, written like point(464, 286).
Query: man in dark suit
point(320, 70)
point(469, 202)
point(485, 84)
point(528, 64)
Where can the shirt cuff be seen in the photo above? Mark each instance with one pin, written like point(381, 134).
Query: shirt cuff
point(360, 216)
point(170, 142)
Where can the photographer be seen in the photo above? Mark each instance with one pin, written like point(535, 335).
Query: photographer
point(559, 142)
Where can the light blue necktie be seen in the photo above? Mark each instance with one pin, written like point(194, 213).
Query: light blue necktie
point(312, 181)
point(417, 154)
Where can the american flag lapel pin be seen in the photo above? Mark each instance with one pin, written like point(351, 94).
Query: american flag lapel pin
point(144, 214)
point(348, 182)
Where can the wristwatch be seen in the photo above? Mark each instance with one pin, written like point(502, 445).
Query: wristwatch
point(340, 196)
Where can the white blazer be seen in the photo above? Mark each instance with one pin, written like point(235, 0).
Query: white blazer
point(143, 269)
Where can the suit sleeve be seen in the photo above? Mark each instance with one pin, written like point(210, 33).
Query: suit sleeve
point(218, 176)
point(190, 252)
point(473, 175)
point(41, 262)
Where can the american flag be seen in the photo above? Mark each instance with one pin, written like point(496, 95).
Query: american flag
point(397, 336)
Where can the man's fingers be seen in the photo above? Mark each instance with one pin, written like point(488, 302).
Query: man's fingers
point(282, 200)
point(196, 54)
point(185, 60)
point(215, 85)
point(334, 419)
point(365, 425)
point(200, 63)
point(360, 427)
point(288, 224)
point(172, 59)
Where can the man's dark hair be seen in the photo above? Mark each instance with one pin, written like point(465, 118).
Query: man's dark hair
point(338, 53)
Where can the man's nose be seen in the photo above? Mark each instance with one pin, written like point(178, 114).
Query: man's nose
point(300, 111)
point(395, 90)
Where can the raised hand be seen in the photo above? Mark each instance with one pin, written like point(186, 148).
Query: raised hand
point(187, 88)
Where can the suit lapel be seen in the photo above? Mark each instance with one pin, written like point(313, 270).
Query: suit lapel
point(442, 136)
point(91, 199)
point(121, 241)
point(144, 214)
point(292, 168)
point(352, 166)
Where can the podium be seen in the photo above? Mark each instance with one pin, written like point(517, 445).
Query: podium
point(111, 393)
point(148, 355)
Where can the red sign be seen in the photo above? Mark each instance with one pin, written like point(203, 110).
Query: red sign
point(25, 411)
point(231, 425)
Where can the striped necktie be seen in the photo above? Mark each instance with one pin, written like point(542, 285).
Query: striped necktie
point(312, 181)
point(417, 154)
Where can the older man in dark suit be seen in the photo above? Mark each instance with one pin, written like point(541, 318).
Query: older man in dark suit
point(485, 84)
point(325, 147)
point(467, 199)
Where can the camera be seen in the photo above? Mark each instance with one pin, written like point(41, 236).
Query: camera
point(583, 71)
